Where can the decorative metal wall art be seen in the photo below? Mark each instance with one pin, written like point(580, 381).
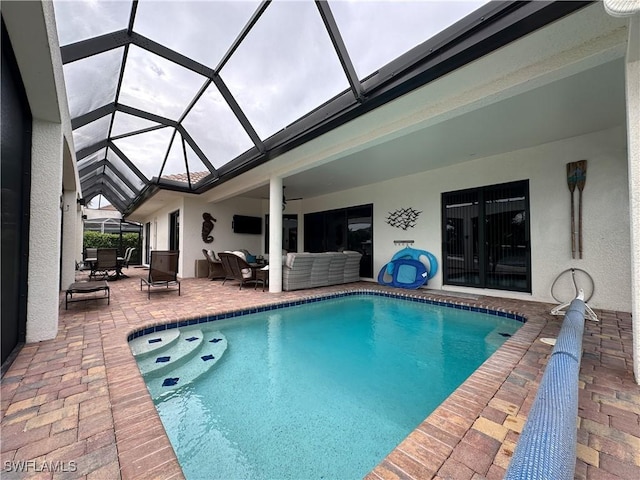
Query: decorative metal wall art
point(207, 227)
point(403, 218)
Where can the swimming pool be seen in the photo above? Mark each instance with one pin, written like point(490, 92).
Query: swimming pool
point(323, 390)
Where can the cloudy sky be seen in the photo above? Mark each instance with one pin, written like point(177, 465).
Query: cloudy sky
point(285, 67)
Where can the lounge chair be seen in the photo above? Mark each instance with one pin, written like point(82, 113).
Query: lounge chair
point(236, 268)
point(216, 270)
point(163, 271)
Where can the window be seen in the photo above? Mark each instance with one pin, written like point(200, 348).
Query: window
point(485, 235)
point(289, 233)
point(174, 230)
point(147, 243)
point(343, 229)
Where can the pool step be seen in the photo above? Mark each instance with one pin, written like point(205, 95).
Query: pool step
point(199, 361)
point(153, 343)
point(186, 347)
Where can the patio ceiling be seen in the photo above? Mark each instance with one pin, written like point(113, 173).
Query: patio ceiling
point(182, 96)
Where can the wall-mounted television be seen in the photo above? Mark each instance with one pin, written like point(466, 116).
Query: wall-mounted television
point(244, 224)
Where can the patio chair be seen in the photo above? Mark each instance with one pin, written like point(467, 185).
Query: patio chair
point(163, 271)
point(127, 256)
point(236, 268)
point(124, 261)
point(106, 262)
point(216, 270)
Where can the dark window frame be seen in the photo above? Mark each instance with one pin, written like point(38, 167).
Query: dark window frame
point(174, 230)
point(321, 227)
point(17, 134)
point(480, 246)
point(293, 246)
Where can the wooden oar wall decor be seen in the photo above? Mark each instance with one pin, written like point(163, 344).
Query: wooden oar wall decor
point(576, 177)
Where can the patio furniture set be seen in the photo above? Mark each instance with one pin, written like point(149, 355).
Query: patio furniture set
point(104, 263)
point(299, 270)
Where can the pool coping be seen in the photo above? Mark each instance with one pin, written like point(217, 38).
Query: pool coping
point(81, 398)
point(424, 451)
point(198, 319)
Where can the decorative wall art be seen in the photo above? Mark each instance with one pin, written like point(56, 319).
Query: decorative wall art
point(403, 218)
point(576, 177)
point(207, 227)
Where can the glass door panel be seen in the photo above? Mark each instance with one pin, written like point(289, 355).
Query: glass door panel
point(335, 229)
point(486, 237)
point(360, 237)
point(314, 232)
point(289, 233)
point(461, 237)
point(506, 238)
point(343, 229)
point(147, 243)
point(174, 231)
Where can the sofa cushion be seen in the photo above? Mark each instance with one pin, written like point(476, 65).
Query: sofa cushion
point(296, 274)
point(352, 266)
point(320, 270)
point(336, 267)
point(307, 270)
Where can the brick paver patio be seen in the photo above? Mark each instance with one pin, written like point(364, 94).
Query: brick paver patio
point(77, 406)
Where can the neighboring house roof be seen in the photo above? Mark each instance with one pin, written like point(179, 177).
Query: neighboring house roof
point(184, 177)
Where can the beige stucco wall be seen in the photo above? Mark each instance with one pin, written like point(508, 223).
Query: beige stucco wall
point(44, 232)
point(606, 230)
point(633, 134)
point(31, 27)
point(191, 243)
point(605, 212)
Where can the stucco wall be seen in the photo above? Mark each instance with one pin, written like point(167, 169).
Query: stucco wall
point(605, 212)
point(633, 122)
point(606, 235)
point(191, 243)
point(160, 226)
point(44, 235)
point(32, 30)
point(224, 238)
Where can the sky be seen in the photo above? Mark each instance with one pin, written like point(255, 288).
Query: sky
point(284, 68)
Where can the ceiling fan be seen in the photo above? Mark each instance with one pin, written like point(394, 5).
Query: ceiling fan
point(285, 199)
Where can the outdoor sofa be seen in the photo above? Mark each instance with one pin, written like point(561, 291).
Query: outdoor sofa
point(308, 270)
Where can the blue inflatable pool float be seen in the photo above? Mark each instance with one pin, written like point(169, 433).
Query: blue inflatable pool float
point(418, 255)
point(405, 273)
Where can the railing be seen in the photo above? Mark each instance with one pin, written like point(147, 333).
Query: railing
point(547, 446)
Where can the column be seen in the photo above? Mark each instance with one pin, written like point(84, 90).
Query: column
point(44, 234)
point(632, 75)
point(275, 234)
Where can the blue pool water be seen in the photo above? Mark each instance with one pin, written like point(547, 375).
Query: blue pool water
point(323, 390)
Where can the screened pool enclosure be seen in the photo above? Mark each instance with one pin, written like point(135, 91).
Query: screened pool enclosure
point(185, 95)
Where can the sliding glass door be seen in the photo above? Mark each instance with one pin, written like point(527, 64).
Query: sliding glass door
point(486, 237)
point(342, 229)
